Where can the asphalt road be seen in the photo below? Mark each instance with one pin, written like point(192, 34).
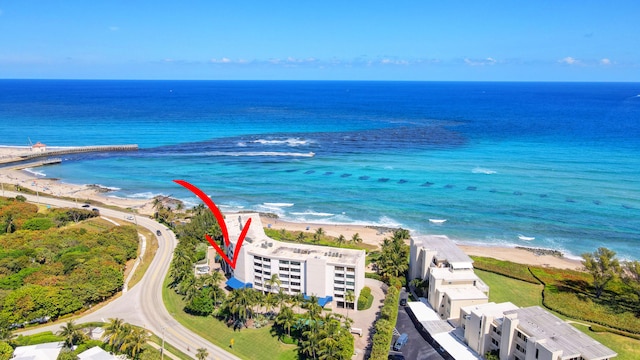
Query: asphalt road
point(417, 347)
point(142, 305)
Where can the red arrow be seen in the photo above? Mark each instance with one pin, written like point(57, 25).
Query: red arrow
point(223, 226)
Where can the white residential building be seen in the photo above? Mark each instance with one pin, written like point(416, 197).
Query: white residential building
point(325, 272)
point(96, 353)
point(46, 351)
point(448, 271)
point(527, 334)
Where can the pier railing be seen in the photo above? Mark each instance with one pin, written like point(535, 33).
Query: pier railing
point(69, 150)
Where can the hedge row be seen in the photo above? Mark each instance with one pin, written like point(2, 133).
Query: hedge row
point(385, 325)
point(365, 299)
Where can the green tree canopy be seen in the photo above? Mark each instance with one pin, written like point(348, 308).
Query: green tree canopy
point(603, 266)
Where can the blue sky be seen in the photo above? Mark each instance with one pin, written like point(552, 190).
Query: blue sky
point(321, 40)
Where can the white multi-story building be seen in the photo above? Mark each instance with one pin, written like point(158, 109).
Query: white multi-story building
point(457, 295)
point(448, 271)
point(325, 272)
point(527, 334)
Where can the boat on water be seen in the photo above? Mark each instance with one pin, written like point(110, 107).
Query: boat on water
point(526, 238)
point(437, 221)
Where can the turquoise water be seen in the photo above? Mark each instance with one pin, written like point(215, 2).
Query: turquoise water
point(558, 162)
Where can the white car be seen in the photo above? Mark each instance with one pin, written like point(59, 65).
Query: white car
point(129, 217)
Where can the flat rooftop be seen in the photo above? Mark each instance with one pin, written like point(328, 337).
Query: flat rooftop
point(465, 293)
point(447, 274)
point(445, 248)
point(490, 309)
point(538, 323)
point(258, 243)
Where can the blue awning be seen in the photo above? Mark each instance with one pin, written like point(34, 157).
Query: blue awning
point(237, 284)
point(321, 301)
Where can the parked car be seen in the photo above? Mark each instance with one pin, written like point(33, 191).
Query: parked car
point(403, 299)
point(400, 342)
point(396, 356)
point(86, 206)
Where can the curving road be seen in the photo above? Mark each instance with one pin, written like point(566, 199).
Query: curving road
point(142, 305)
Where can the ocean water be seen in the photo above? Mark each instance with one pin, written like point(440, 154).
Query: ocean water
point(559, 162)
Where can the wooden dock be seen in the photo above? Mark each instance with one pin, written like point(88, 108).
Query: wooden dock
point(69, 150)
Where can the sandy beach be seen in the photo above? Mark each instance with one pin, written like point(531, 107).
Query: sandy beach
point(369, 235)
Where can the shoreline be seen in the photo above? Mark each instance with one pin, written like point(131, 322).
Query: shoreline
point(372, 235)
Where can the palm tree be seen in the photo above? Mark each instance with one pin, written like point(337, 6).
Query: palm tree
point(157, 205)
point(356, 239)
point(310, 344)
point(349, 297)
point(270, 303)
point(341, 240)
point(202, 353)
point(113, 331)
point(286, 318)
point(296, 300)
point(328, 348)
point(71, 333)
point(401, 234)
point(238, 305)
point(135, 342)
point(318, 235)
point(313, 309)
point(275, 280)
point(212, 280)
point(300, 238)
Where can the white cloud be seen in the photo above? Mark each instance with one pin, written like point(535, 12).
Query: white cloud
point(114, 28)
point(394, 62)
point(569, 61)
point(224, 60)
point(605, 61)
point(480, 62)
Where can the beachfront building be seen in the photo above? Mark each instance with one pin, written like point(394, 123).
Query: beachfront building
point(39, 147)
point(526, 334)
point(448, 272)
point(325, 272)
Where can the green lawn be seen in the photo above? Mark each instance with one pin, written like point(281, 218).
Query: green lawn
point(524, 294)
point(502, 289)
point(627, 348)
point(249, 343)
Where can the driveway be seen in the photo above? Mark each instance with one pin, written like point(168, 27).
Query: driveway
point(366, 318)
point(417, 347)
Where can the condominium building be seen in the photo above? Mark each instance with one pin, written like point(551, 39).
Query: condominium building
point(325, 272)
point(448, 272)
point(527, 334)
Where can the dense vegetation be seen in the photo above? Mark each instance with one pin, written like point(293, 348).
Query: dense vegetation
point(607, 293)
point(50, 266)
point(291, 318)
point(365, 300)
point(392, 265)
point(118, 338)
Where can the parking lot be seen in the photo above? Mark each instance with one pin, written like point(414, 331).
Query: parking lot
point(417, 347)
